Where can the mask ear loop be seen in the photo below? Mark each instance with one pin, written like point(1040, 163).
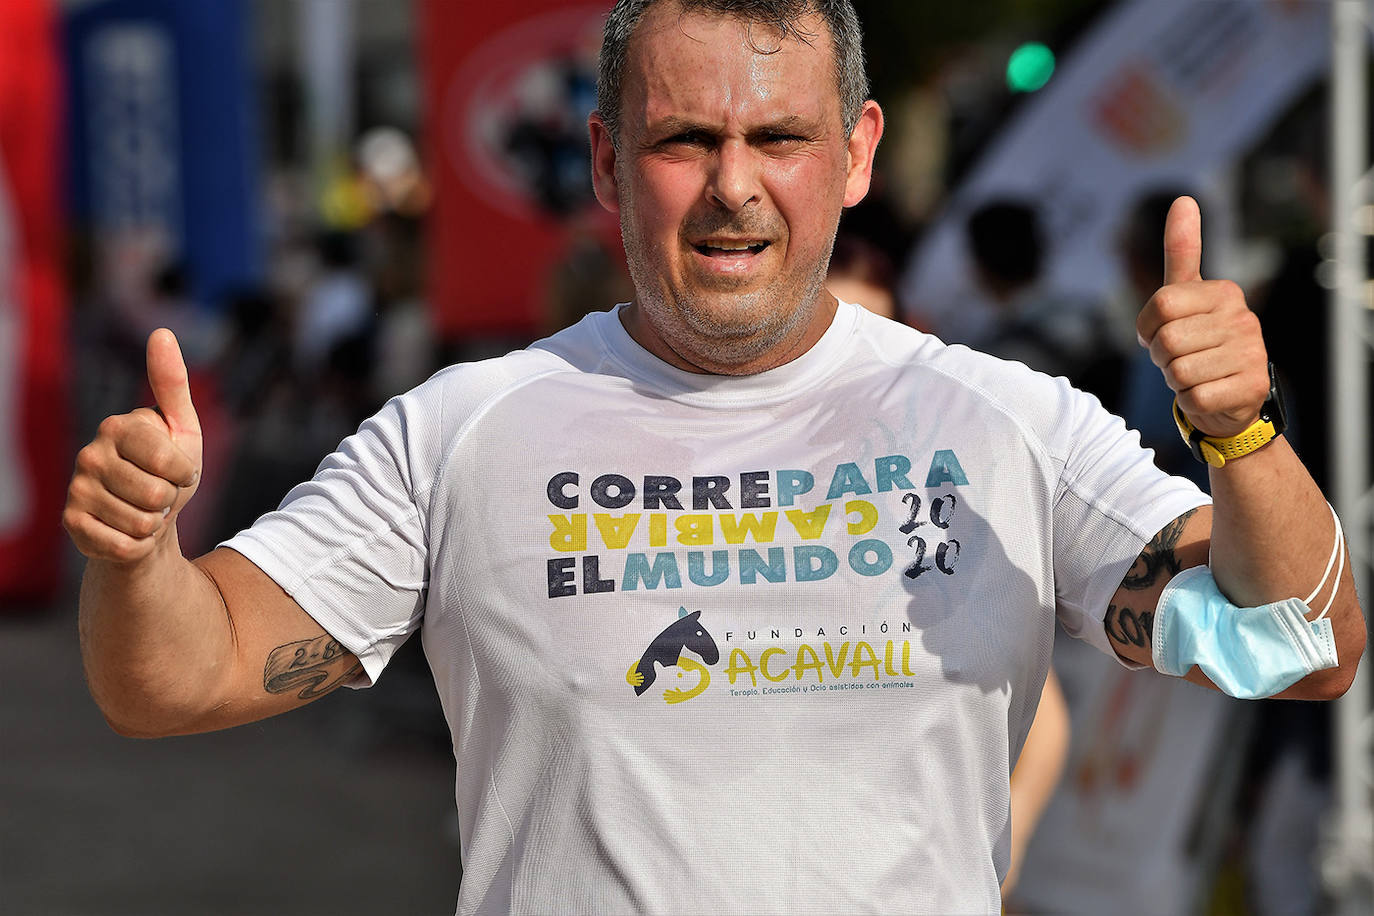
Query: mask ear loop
point(1336, 551)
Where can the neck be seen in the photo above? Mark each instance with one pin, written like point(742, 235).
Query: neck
point(728, 357)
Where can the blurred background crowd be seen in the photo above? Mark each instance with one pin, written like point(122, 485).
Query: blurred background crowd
point(328, 200)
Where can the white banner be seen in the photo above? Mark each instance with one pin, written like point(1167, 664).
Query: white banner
point(1159, 93)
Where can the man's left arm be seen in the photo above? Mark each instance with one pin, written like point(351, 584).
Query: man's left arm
point(1269, 532)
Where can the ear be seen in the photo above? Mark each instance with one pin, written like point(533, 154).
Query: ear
point(603, 163)
point(863, 144)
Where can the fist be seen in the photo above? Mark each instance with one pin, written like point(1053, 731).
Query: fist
point(141, 468)
point(1203, 336)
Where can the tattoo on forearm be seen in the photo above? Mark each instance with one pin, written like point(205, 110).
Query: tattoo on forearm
point(1128, 627)
point(1159, 556)
point(316, 666)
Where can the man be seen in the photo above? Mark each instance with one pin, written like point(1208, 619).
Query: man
point(738, 598)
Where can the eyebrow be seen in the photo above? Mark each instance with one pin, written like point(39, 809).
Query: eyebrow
point(673, 125)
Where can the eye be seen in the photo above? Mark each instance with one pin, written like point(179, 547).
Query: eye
point(688, 138)
point(782, 139)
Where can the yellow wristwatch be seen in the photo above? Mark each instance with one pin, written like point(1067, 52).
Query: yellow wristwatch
point(1216, 451)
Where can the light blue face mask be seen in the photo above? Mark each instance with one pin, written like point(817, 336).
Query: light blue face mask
point(1249, 652)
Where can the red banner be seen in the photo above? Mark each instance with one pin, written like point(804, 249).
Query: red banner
point(508, 88)
point(34, 458)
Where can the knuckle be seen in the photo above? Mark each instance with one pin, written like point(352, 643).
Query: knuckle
point(1184, 373)
point(72, 521)
point(155, 494)
point(112, 426)
point(89, 460)
point(1166, 302)
point(1171, 378)
point(77, 491)
point(1170, 338)
point(1243, 319)
point(144, 526)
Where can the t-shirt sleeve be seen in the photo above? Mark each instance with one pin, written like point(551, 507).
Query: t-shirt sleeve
point(351, 544)
point(1110, 501)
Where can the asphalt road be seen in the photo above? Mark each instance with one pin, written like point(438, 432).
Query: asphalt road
point(343, 807)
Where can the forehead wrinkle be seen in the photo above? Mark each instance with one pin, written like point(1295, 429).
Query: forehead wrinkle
point(720, 82)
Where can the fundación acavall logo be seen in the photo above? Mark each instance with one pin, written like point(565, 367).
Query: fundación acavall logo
point(687, 632)
point(867, 656)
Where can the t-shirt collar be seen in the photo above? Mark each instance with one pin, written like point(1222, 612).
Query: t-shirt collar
point(774, 384)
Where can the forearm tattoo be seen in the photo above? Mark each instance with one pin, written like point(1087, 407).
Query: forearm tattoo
point(1159, 558)
point(316, 666)
point(1129, 627)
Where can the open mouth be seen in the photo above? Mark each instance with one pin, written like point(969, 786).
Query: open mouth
point(724, 249)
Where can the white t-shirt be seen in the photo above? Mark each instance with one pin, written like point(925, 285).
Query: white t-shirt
point(710, 644)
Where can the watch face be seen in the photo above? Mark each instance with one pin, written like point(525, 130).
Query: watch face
point(1273, 410)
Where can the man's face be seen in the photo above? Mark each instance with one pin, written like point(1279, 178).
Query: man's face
point(731, 171)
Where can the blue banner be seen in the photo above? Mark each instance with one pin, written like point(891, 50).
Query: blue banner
point(163, 134)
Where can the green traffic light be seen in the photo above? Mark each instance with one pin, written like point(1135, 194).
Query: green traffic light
point(1030, 67)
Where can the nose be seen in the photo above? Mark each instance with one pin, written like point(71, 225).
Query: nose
point(734, 180)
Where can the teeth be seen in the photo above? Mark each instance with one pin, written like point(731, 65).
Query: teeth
point(731, 246)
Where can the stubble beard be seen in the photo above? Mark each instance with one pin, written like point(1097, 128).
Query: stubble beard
point(755, 324)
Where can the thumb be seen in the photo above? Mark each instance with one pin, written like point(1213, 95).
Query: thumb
point(1183, 242)
point(171, 388)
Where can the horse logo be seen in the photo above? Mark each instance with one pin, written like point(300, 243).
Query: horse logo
point(687, 632)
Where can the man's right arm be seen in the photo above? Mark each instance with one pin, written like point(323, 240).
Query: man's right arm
point(171, 646)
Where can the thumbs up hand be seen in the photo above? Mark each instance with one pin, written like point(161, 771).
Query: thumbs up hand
point(132, 480)
point(1203, 336)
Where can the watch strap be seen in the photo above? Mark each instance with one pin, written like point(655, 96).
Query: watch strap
point(1217, 450)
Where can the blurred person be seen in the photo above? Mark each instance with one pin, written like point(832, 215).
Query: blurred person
point(1049, 330)
point(405, 350)
point(257, 349)
point(259, 390)
point(586, 278)
point(824, 698)
point(337, 305)
point(862, 273)
point(545, 142)
point(390, 168)
point(163, 299)
point(1037, 772)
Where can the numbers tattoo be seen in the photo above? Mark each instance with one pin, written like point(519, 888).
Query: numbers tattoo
point(316, 666)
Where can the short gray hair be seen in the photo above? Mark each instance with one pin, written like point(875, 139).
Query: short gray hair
point(846, 36)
